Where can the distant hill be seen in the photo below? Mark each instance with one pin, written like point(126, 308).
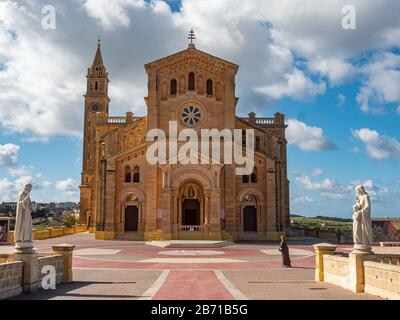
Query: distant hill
point(322, 218)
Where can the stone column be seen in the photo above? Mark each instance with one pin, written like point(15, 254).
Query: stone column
point(356, 269)
point(30, 280)
point(66, 251)
point(320, 250)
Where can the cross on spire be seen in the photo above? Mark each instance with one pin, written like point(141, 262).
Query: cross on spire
point(192, 36)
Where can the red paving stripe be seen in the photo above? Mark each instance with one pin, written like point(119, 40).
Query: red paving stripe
point(192, 285)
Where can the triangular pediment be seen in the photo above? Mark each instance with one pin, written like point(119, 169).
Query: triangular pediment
point(192, 56)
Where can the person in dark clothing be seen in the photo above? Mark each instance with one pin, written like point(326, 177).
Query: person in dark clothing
point(338, 236)
point(284, 249)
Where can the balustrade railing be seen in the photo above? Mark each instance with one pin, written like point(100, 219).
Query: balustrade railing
point(393, 259)
point(191, 228)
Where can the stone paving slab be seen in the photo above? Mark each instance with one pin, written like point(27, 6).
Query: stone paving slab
point(288, 284)
point(101, 285)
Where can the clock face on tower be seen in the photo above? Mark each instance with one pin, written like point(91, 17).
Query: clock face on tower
point(95, 107)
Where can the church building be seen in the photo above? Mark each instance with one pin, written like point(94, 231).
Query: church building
point(123, 196)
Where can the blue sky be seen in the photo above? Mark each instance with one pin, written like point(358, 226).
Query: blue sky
point(338, 88)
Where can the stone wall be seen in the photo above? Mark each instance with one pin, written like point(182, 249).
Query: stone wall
point(336, 269)
point(382, 279)
point(55, 260)
point(51, 233)
point(377, 274)
point(23, 272)
point(11, 279)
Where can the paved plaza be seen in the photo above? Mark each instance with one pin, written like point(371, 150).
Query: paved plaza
point(128, 270)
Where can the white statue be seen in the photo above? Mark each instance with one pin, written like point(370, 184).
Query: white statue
point(23, 219)
point(362, 225)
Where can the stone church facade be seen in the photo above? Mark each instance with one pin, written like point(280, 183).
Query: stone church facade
point(123, 196)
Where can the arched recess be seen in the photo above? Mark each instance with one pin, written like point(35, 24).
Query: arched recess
point(182, 84)
point(164, 90)
point(191, 200)
point(200, 84)
point(201, 185)
point(218, 90)
point(132, 215)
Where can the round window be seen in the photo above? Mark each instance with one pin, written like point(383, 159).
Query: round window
point(191, 116)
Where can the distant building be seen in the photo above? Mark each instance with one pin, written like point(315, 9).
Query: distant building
point(389, 226)
point(66, 205)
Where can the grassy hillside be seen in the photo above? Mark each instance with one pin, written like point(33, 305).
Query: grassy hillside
point(320, 222)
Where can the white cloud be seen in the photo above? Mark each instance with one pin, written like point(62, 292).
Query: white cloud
point(44, 71)
point(111, 13)
point(378, 146)
point(7, 190)
point(307, 138)
point(341, 100)
point(303, 199)
point(338, 71)
point(20, 170)
point(306, 182)
point(67, 185)
point(9, 154)
point(317, 172)
point(381, 84)
point(332, 195)
point(295, 85)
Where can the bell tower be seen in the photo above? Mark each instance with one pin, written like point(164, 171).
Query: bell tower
point(96, 101)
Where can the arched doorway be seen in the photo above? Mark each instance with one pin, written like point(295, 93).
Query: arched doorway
point(192, 203)
point(132, 208)
point(250, 219)
point(191, 212)
point(250, 210)
point(131, 218)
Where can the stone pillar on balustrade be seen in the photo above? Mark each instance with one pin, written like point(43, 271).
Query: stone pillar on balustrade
point(66, 251)
point(356, 268)
point(320, 250)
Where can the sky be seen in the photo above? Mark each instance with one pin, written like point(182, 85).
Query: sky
point(338, 87)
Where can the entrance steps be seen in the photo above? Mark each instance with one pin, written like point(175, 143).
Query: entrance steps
point(251, 236)
point(189, 244)
point(131, 236)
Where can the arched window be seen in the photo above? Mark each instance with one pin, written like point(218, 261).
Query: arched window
point(258, 144)
point(191, 81)
point(136, 174)
point(128, 174)
point(209, 87)
point(245, 179)
point(174, 87)
point(96, 86)
point(253, 176)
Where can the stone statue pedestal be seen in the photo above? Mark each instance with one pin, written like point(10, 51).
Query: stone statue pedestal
point(24, 252)
point(356, 268)
point(361, 249)
point(25, 247)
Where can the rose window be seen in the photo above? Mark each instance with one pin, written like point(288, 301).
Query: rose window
point(191, 115)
